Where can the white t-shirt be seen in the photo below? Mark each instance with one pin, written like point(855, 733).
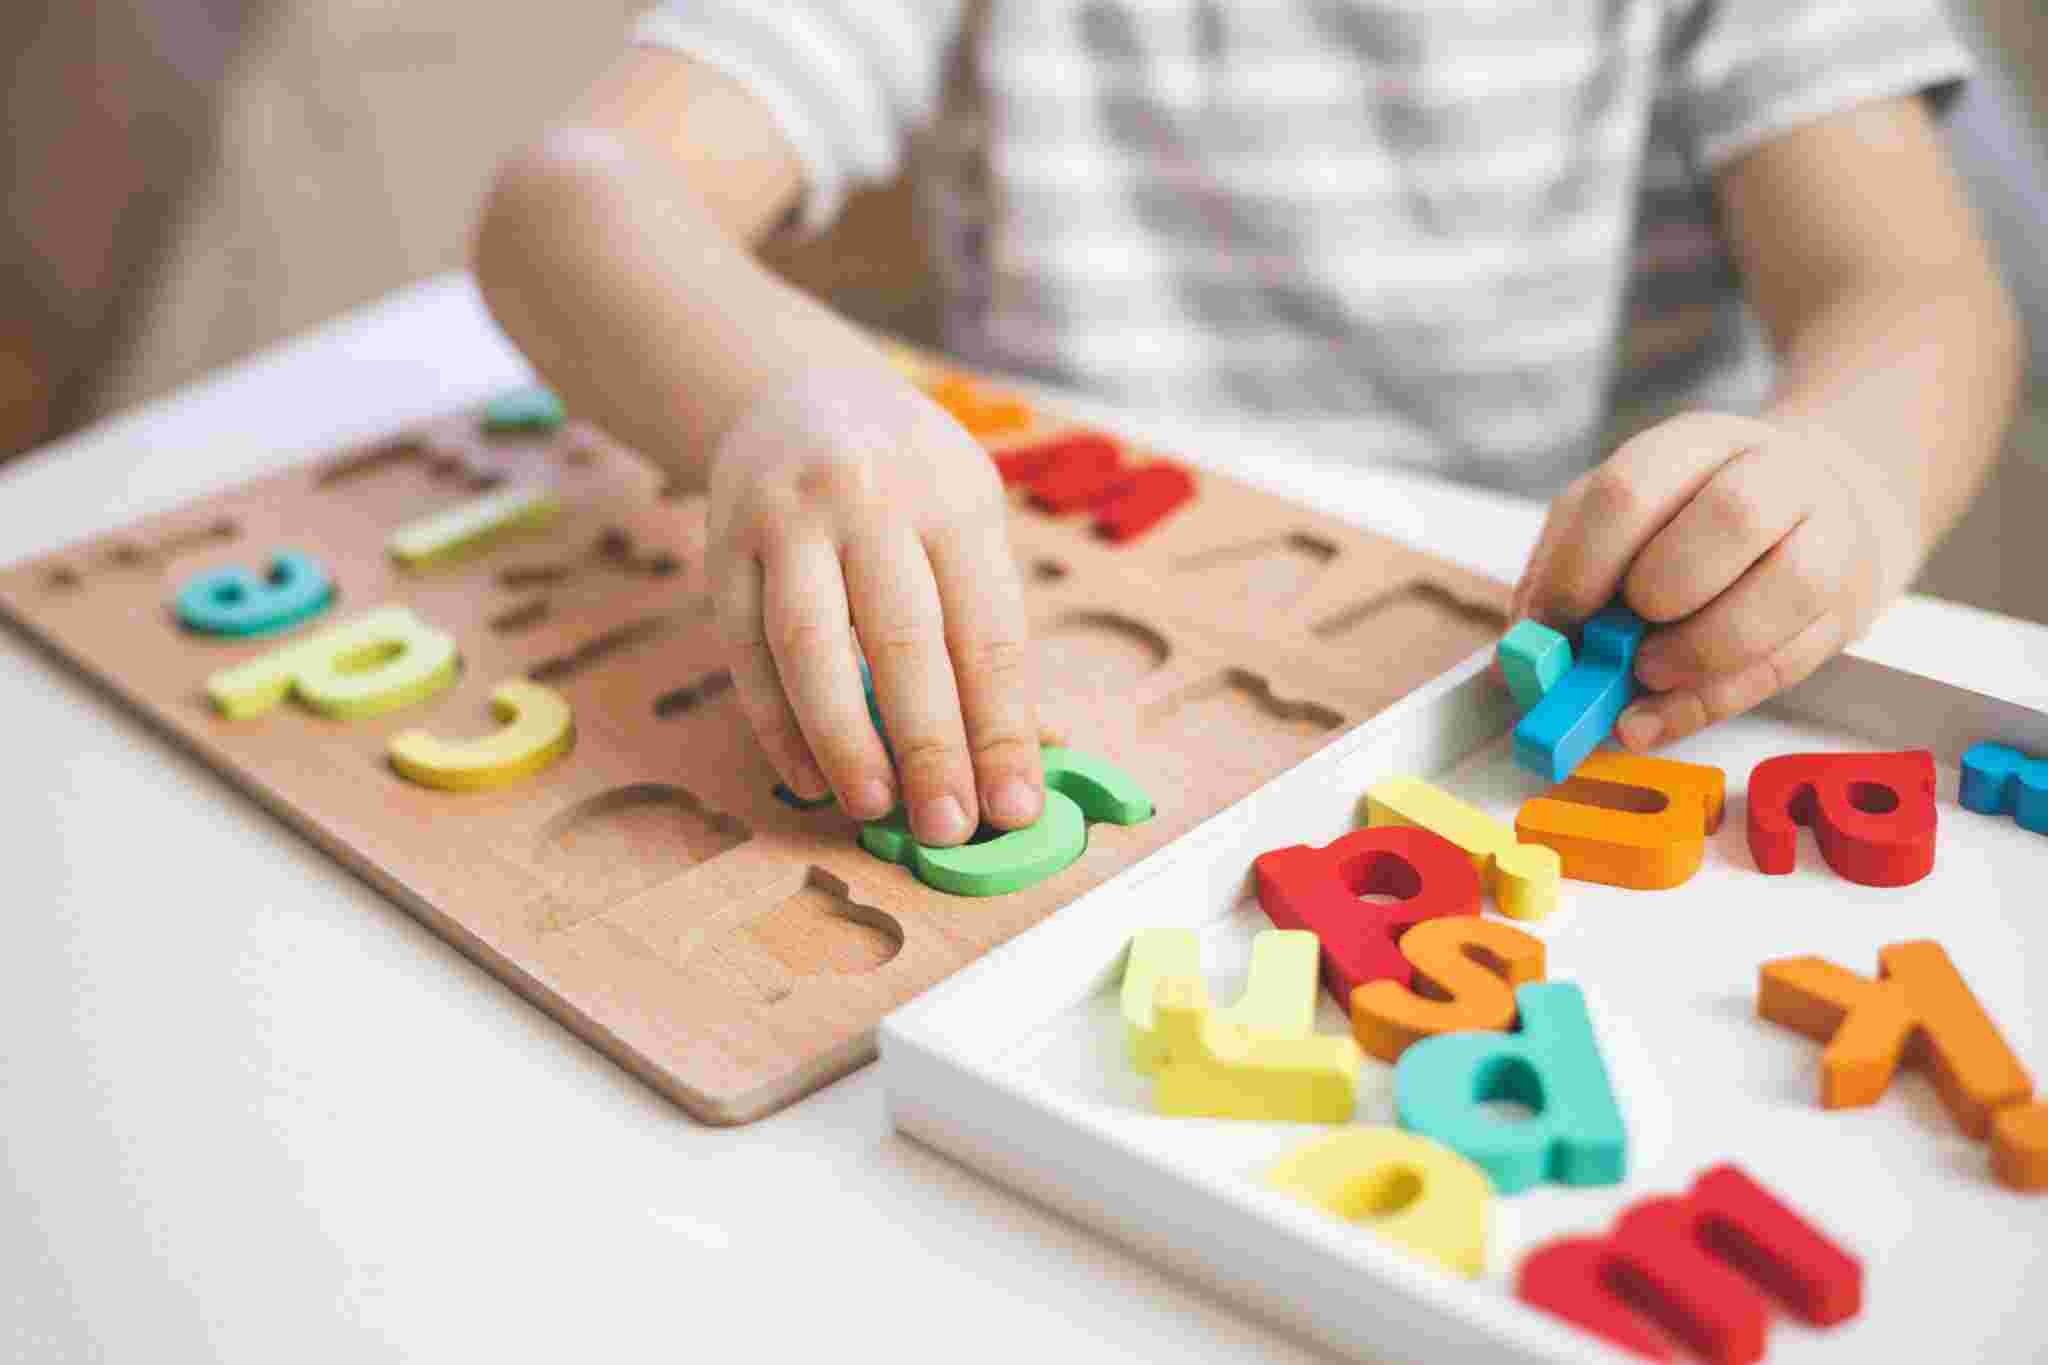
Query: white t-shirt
point(1482, 231)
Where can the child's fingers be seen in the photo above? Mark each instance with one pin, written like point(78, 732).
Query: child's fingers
point(1671, 716)
point(1533, 572)
point(903, 631)
point(1731, 523)
point(755, 681)
point(1783, 594)
point(986, 636)
point(804, 618)
point(1614, 511)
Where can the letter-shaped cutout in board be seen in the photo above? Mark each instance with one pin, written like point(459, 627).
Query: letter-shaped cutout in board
point(1575, 1134)
point(231, 600)
point(1919, 1007)
point(1580, 709)
point(1473, 965)
point(1418, 1194)
point(2001, 780)
point(1078, 788)
point(378, 662)
point(1318, 889)
point(1872, 814)
point(1279, 999)
point(1628, 820)
point(1225, 1071)
point(1522, 877)
point(470, 526)
point(1694, 1263)
point(535, 729)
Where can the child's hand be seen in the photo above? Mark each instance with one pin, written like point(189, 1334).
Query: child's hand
point(1761, 551)
point(849, 503)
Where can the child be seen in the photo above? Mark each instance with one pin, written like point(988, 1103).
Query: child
point(1490, 236)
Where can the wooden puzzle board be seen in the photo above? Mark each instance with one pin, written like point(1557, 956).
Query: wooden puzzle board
point(1018, 1066)
point(647, 889)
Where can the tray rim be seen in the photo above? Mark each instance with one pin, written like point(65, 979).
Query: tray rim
point(942, 1056)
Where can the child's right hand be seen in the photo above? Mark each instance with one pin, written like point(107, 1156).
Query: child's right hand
point(849, 505)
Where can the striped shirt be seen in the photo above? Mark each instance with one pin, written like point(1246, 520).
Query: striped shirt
point(1480, 231)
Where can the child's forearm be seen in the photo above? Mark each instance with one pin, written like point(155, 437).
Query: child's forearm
point(1898, 344)
point(633, 292)
point(848, 516)
point(1919, 377)
point(1761, 547)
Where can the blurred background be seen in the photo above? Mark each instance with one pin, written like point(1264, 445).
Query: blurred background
point(211, 176)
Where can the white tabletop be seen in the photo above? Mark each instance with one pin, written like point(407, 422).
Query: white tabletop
point(252, 1112)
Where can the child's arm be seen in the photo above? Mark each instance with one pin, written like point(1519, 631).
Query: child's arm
point(1768, 545)
point(841, 499)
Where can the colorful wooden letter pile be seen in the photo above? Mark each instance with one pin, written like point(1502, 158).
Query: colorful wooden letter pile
point(1413, 1192)
point(1084, 471)
point(1078, 788)
point(1692, 1265)
point(1628, 820)
point(1580, 709)
point(1453, 1052)
point(1872, 814)
point(1522, 876)
point(233, 601)
point(1917, 1009)
point(2000, 780)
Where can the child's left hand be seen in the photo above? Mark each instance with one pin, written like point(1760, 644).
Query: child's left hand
point(1757, 550)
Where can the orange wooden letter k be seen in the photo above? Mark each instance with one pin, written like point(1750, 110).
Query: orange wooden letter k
point(1919, 1009)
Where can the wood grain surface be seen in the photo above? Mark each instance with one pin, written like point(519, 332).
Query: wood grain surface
point(647, 889)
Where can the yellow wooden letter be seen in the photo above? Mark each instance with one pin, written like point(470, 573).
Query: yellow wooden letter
point(1522, 877)
point(1408, 1189)
point(377, 662)
point(1220, 1070)
point(1154, 955)
point(536, 729)
point(1279, 997)
point(473, 524)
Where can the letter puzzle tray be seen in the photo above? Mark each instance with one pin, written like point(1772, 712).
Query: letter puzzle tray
point(620, 856)
point(1359, 1233)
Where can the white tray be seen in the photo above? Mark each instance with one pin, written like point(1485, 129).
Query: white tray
point(1017, 1066)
